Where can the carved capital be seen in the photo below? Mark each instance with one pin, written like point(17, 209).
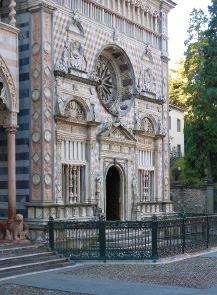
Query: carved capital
point(11, 128)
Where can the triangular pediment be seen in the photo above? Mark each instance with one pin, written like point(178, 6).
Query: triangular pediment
point(117, 133)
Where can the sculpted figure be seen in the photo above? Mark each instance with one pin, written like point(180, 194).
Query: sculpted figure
point(161, 128)
point(12, 229)
point(63, 63)
point(75, 56)
point(138, 120)
point(98, 190)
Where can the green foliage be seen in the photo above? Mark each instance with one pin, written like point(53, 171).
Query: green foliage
point(176, 173)
point(193, 182)
point(177, 83)
point(201, 72)
point(179, 163)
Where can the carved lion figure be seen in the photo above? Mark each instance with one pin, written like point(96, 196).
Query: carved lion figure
point(14, 228)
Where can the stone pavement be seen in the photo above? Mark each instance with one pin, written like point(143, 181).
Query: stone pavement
point(56, 280)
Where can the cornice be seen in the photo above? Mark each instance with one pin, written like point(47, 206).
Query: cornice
point(70, 121)
point(9, 28)
point(75, 78)
point(149, 98)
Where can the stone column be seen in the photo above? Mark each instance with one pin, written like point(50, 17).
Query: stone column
point(11, 130)
point(12, 13)
point(128, 9)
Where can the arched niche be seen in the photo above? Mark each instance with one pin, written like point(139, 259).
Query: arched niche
point(148, 124)
point(9, 86)
point(76, 108)
point(4, 96)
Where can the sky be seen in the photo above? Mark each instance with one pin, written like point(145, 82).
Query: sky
point(178, 25)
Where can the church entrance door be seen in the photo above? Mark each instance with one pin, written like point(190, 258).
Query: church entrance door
point(113, 194)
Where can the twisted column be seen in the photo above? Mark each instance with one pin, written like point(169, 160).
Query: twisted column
point(12, 13)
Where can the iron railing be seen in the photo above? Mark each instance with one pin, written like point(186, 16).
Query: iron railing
point(116, 240)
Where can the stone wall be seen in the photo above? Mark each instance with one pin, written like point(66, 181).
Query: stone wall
point(191, 199)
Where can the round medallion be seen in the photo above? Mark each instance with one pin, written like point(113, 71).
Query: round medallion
point(47, 135)
point(47, 47)
point(47, 179)
point(35, 95)
point(36, 179)
point(35, 48)
point(36, 136)
point(116, 83)
point(47, 92)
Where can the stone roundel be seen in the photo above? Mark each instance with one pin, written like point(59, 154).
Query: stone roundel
point(47, 47)
point(36, 179)
point(35, 95)
point(116, 82)
point(36, 135)
point(48, 179)
point(47, 135)
point(47, 92)
point(35, 48)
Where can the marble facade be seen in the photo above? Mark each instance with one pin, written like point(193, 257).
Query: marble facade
point(98, 110)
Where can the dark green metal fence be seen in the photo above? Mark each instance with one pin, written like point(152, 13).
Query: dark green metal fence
point(110, 240)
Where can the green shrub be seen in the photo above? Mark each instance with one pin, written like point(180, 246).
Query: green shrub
point(193, 182)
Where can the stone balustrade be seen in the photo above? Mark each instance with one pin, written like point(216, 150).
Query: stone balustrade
point(140, 22)
point(64, 212)
point(148, 209)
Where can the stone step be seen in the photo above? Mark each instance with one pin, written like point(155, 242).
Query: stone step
point(16, 272)
point(4, 249)
point(32, 265)
point(17, 259)
point(25, 257)
point(22, 253)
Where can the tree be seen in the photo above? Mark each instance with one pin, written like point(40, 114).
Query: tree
point(201, 122)
point(177, 83)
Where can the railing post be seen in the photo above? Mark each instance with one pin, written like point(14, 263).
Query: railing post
point(183, 234)
point(102, 238)
point(207, 231)
point(51, 233)
point(154, 238)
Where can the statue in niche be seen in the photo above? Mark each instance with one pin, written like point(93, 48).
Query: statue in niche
point(138, 120)
point(148, 79)
point(135, 189)
point(147, 126)
point(161, 128)
point(75, 55)
point(145, 81)
point(3, 96)
point(115, 35)
point(63, 63)
point(109, 123)
point(98, 190)
point(148, 49)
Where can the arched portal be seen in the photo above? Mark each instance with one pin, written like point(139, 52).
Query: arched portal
point(113, 194)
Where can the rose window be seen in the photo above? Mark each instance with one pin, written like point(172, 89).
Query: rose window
point(115, 80)
point(106, 80)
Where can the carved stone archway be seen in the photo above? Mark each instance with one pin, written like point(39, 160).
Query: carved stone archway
point(8, 119)
point(9, 81)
